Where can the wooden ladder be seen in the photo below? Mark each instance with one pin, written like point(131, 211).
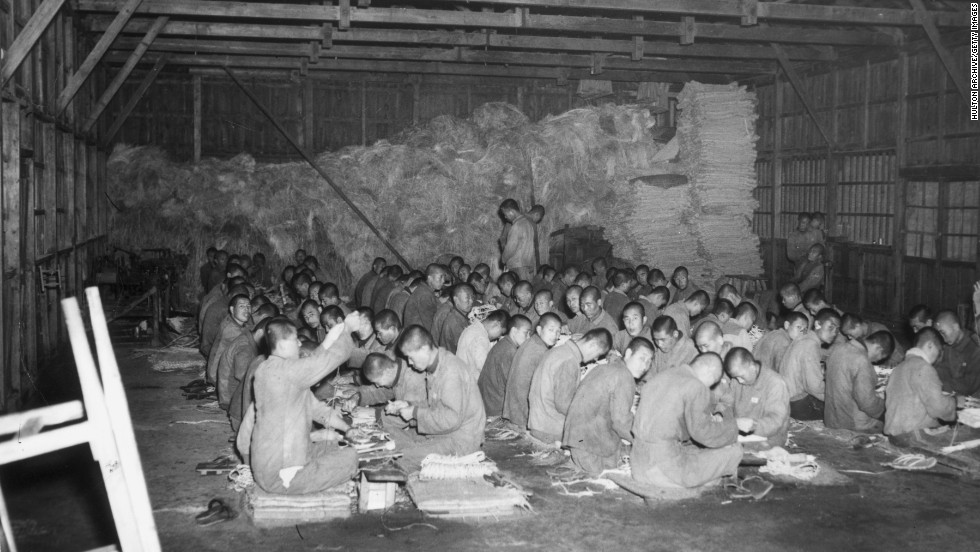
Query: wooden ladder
point(106, 427)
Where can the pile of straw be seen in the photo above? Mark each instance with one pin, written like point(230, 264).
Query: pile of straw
point(432, 189)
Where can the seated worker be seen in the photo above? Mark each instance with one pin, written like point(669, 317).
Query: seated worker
point(590, 303)
point(674, 413)
point(543, 303)
point(387, 330)
point(760, 397)
point(522, 296)
point(730, 294)
point(420, 309)
point(284, 456)
point(330, 296)
point(399, 296)
point(578, 323)
point(365, 341)
point(205, 270)
point(657, 278)
point(232, 359)
point(654, 302)
point(479, 285)
point(792, 301)
point(920, 316)
point(709, 339)
point(684, 311)
point(235, 323)
point(673, 347)
point(771, 349)
point(583, 280)
point(526, 361)
point(565, 280)
point(390, 379)
point(736, 330)
point(452, 317)
point(851, 401)
point(681, 287)
point(455, 263)
point(219, 269)
point(721, 313)
point(798, 241)
point(600, 415)
point(814, 302)
point(599, 269)
point(636, 325)
point(384, 287)
point(314, 292)
point(368, 295)
point(287, 274)
point(214, 306)
point(464, 272)
point(329, 317)
point(854, 327)
point(914, 397)
point(810, 275)
point(299, 287)
point(500, 293)
point(451, 417)
point(555, 380)
point(959, 366)
point(368, 279)
point(477, 338)
point(259, 274)
point(614, 302)
point(817, 223)
point(243, 377)
point(544, 279)
point(299, 256)
point(496, 369)
point(642, 288)
point(801, 367)
point(309, 315)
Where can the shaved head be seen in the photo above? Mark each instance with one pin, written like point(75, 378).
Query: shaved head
point(707, 368)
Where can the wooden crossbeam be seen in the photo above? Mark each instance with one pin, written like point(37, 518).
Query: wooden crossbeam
point(929, 25)
point(800, 89)
point(773, 10)
point(490, 20)
point(137, 96)
point(459, 38)
point(28, 36)
point(280, 66)
point(123, 73)
point(458, 55)
point(76, 81)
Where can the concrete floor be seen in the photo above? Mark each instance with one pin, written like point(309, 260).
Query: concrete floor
point(57, 502)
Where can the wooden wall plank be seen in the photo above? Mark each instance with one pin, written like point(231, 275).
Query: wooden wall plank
point(28, 37)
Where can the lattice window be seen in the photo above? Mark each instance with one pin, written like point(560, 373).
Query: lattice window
point(922, 214)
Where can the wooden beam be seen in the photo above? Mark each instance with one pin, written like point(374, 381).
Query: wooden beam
point(777, 182)
point(300, 51)
point(459, 38)
point(22, 45)
point(929, 25)
point(492, 20)
point(196, 80)
point(85, 69)
point(137, 95)
point(442, 68)
point(800, 89)
point(123, 73)
point(773, 10)
point(901, 186)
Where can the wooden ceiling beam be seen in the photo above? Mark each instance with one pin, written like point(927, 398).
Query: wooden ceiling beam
point(290, 65)
point(770, 11)
point(451, 55)
point(27, 38)
point(472, 39)
point(494, 20)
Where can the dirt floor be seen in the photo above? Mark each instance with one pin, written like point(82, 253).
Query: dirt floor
point(57, 501)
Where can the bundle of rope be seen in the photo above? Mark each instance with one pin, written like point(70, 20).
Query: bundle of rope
point(241, 478)
point(441, 466)
point(798, 466)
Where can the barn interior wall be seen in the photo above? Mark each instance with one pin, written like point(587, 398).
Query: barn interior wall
point(52, 178)
point(322, 114)
point(900, 187)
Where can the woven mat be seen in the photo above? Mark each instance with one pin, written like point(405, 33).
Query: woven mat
point(275, 510)
point(472, 498)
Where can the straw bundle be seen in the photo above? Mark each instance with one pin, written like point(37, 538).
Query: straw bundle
point(272, 510)
point(466, 498)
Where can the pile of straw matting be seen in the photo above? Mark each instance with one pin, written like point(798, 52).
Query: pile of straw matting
point(274, 510)
point(465, 498)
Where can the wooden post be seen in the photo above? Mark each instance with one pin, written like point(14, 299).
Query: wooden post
point(416, 94)
point(10, 332)
point(105, 41)
point(124, 72)
point(308, 112)
point(196, 85)
point(22, 45)
point(131, 104)
point(363, 113)
point(929, 25)
point(777, 182)
point(901, 184)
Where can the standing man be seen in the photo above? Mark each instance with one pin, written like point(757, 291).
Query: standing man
point(518, 244)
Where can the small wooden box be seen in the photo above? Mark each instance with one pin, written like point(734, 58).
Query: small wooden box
point(375, 495)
